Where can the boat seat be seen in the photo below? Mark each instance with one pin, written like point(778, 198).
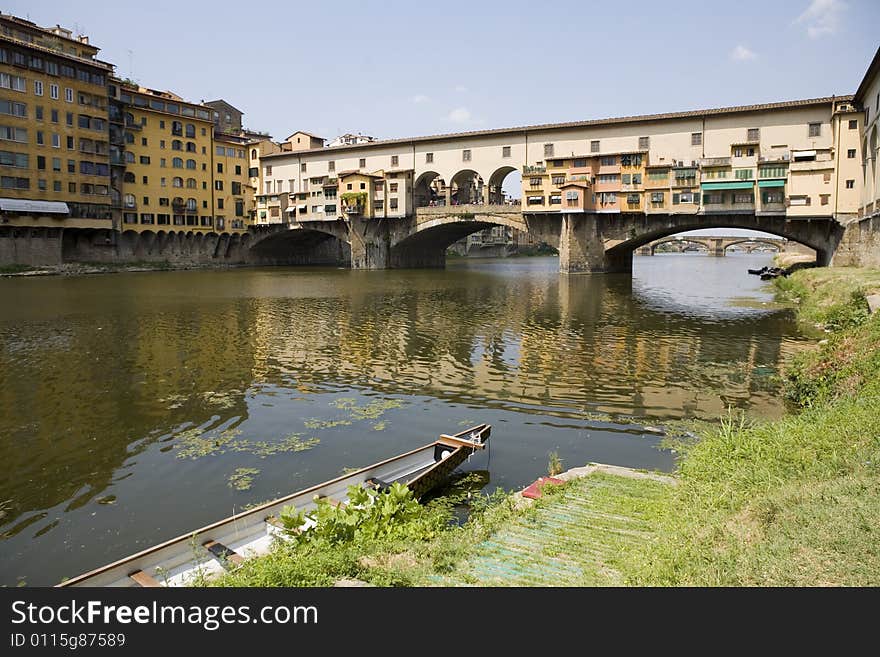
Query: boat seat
point(329, 500)
point(142, 579)
point(223, 553)
point(378, 484)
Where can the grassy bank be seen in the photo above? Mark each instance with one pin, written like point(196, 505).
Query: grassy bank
point(794, 502)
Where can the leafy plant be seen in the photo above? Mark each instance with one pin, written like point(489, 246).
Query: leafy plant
point(369, 515)
point(354, 198)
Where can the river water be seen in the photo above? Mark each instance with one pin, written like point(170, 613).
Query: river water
point(137, 407)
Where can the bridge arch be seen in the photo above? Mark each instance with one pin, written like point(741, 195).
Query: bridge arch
point(429, 189)
point(621, 238)
point(467, 188)
point(680, 240)
point(777, 246)
point(494, 191)
point(316, 244)
point(424, 244)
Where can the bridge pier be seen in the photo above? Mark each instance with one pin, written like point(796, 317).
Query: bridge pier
point(370, 244)
point(582, 247)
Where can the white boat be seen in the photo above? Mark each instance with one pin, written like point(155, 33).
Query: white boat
point(211, 550)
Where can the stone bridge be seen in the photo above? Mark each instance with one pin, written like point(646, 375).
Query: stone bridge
point(714, 245)
point(586, 242)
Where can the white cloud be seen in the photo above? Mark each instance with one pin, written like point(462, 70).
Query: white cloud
point(419, 99)
point(460, 115)
point(461, 88)
point(822, 17)
point(742, 54)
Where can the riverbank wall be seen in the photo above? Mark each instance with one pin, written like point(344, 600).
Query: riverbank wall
point(38, 247)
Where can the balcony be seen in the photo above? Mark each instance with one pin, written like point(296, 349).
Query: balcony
point(775, 157)
point(715, 162)
point(533, 169)
point(353, 210)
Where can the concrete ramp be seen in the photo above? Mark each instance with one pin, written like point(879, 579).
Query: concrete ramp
point(573, 538)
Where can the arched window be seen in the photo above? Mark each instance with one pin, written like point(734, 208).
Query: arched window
point(190, 164)
point(177, 163)
point(191, 204)
point(176, 145)
point(129, 157)
point(190, 147)
point(129, 118)
point(129, 138)
point(177, 182)
point(128, 200)
point(177, 202)
point(128, 177)
point(253, 153)
point(191, 183)
point(177, 128)
point(190, 130)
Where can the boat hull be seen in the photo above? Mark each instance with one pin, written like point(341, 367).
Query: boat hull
point(195, 556)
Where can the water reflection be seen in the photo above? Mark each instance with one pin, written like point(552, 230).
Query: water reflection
point(129, 401)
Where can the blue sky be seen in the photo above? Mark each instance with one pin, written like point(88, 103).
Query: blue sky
point(394, 69)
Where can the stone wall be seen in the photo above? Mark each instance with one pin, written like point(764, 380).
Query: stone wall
point(860, 245)
point(30, 246)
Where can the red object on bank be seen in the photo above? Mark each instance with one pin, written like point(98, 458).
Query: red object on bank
point(534, 490)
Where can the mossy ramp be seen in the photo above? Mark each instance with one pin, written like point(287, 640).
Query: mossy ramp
point(572, 536)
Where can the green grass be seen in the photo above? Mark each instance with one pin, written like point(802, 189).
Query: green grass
point(832, 298)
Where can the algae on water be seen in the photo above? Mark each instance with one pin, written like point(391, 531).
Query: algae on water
point(194, 443)
point(242, 478)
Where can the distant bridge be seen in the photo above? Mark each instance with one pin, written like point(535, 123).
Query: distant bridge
point(714, 245)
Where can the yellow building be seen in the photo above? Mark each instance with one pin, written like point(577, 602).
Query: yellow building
point(359, 192)
point(54, 153)
point(162, 178)
point(632, 180)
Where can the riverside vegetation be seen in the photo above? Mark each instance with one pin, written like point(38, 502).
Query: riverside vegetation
point(793, 502)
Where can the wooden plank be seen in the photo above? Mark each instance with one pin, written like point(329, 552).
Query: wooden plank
point(454, 441)
point(223, 553)
point(142, 579)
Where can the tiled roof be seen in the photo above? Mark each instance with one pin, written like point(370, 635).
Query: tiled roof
point(808, 102)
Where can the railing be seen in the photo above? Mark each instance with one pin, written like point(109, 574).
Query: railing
point(353, 209)
point(534, 169)
point(715, 161)
point(782, 157)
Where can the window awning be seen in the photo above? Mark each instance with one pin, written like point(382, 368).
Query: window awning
point(797, 154)
point(291, 208)
point(771, 183)
point(33, 207)
point(727, 185)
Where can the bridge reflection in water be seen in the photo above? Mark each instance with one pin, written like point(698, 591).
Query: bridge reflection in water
point(104, 379)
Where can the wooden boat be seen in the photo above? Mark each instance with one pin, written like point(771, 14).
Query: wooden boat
point(226, 543)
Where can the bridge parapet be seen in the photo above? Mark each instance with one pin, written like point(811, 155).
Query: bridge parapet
point(467, 211)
